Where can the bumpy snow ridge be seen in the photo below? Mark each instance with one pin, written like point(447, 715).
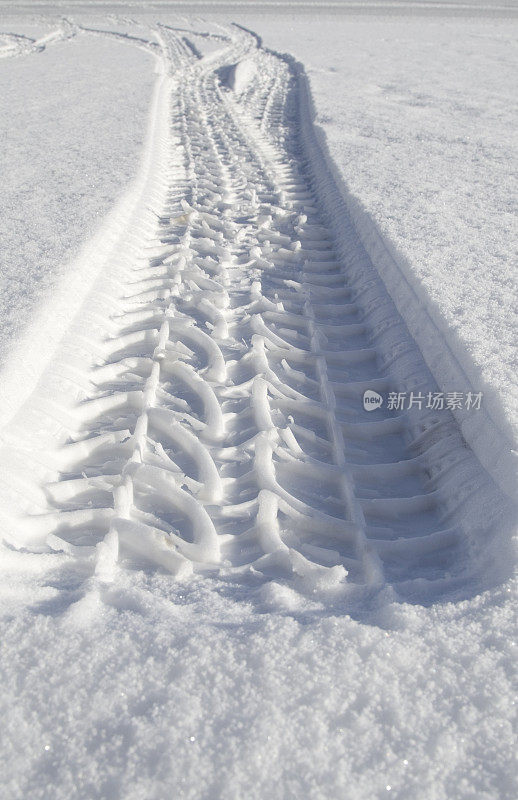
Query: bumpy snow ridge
point(207, 399)
point(17, 44)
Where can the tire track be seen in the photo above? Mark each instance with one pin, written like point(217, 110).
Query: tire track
point(21, 45)
point(216, 423)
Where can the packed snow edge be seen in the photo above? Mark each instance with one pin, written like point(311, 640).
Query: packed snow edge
point(28, 361)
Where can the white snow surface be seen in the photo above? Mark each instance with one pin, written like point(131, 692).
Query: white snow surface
point(130, 682)
point(163, 689)
point(240, 75)
point(56, 189)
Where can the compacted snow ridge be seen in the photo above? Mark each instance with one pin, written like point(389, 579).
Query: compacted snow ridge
point(18, 44)
point(70, 176)
point(204, 411)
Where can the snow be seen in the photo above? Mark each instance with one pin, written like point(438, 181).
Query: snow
point(419, 121)
point(165, 688)
point(52, 197)
point(145, 652)
point(240, 75)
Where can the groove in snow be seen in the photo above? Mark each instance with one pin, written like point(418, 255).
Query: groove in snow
point(203, 412)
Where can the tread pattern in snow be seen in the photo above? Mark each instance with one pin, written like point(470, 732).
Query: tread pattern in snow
point(220, 427)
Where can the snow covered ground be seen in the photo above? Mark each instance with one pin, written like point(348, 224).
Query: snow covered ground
point(221, 577)
point(182, 689)
point(53, 198)
point(53, 195)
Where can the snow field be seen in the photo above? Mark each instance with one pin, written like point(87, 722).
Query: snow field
point(202, 417)
point(224, 423)
point(168, 687)
point(49, 212)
